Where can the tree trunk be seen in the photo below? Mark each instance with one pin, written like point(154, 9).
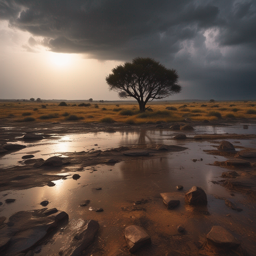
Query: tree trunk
point(142, 106)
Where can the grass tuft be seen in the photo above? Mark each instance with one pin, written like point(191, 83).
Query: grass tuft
point(26, 114)
point(49, 116)
point(251, 111)
point(214, 113)
point(107, 120)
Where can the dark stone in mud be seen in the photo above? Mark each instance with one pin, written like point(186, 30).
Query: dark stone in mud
point(53, 161)
point(180, 136)
point(1, 203)
point(111, 161)
point(226, 146)
point(221, 238)
point(175, 127)
point(82, 239)
point(98, 188)
point(50, 211)
point(162, 147)
point(8, 201)
point(44, 203)
point(196, 196)
point(169, 201)
point(246, 154)
point(230, 174)
point(36, 162)
point(13, 147)
point(180, 229)
point(136, 153)
point(186, 128)
point(76, 176)
point(28, 156)
point(93, 209)
point(237, 163)
point(179, 187)
point(32, 136)
point(51, 184)
point(85, 203)
point(232, 206)
point(136, 237)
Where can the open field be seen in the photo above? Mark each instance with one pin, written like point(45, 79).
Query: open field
point(127, 112)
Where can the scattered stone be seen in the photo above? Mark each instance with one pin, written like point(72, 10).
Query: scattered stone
point(136, 153)
point(76, 176)
point(8, 201)
point(180, 136)
point(93, 209)
point(229, 174)
point(180, 229)
point(136, 237)
point(186, 127)
point(194, 160)
point(168, 201)
point(196, 196)
point(175, 127)
point(28, 156)
point(53, 161)
point(51, 184)
point(142, 201)
point(44, 203)
point(32, 136)
point(13, 147)
point(226, 146)
point(221, 238)
point(179, 187)
point(232, 206)
point(50, 211)
point(162, 147)
point(246, 154)
point(237, 163)
point(98, 188)
point(85, 203)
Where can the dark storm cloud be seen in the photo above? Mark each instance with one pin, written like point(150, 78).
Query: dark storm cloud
point(198, 37)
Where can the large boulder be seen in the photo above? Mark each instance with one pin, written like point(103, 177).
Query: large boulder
point(221, 238)
point(55, 161)
point(196, 196)
point(226, 146)
point(136, 237)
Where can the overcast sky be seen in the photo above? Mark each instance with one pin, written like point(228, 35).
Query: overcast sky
point(64, 49)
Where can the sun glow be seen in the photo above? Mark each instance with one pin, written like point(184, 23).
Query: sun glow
point(61, 59)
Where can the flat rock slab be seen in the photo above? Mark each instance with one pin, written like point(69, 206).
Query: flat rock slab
point(136, 237)
point(169, 201)
point(13, 147)
point(32, 136)
point(196, 196)
point(246, 154)
point(136, 153)
point(221, 238)
point(82, 239)
point(237, 163)
point(28, 156)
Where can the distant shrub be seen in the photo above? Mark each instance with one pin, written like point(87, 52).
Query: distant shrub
point(96, 106)
point(126, 112)
point(251, 105)
point(26, 114)
point(185, 110)
point(214, 113)
point(49, 116)
point(197, 111)
point(130, 121)
point(11, 115)
point(215, 106)
point(73, 118)
point(43, 106)
point(35, 109)
point(143, 115)
point(223, 109)
point(107, 120)
point(251, 111)
point(65, 114)
point(164, 113)
point(73, 105)
point(232, 105)
point(212, 100)
point(203, 105)
point(84, 105)
point(171, 108)
point(29, 119)
point(103, 109)
point(235, 109)
point(117, 109)
point(63, 103)
point(230, 116)
point(117, 105)
point(90, 116)
point(183, 106)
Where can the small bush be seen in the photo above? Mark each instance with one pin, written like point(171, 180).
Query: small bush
point(251, 111)
point(117, 109)
point(73, 105)
point(171, 108)
point(214, 113)
point(130, 121)
point(29, 119)
point(65, 114)
point(230, 116)
point(63, 103)
point(197, 111)
point(143, 115)
point(43, 106)
point(104, 109)
point(185, 110)
point(84, 105)
point(212, 100)
point(232, 105)
point(183, 106)
point(96, 105)
point(117, 105)
point(235, 109)
point(223, 109)
point(26, 114)
point(126, 112)
point(49, 116)
point(203, 105)
point(251, 105)
point(214, 106)
point(107, 120)
point(35, 109)
point(11, 115)
point(73, 118)
point(90, 116)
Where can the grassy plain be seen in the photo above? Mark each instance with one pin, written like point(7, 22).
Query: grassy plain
point(50, 111)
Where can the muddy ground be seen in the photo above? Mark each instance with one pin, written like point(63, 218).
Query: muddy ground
point(142, 206)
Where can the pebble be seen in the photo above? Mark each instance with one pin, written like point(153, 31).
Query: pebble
point(10, 200)
point(44, 203)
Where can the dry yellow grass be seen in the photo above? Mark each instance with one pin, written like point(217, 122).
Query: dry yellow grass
point(195, 111)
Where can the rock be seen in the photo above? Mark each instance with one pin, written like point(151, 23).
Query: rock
point(186, 128)
point(50, 211)
point(232, 206)
point(76, 176)
point(180, 136)
point(32, 136)
point(53, 161)
point(136, 153)
point(175, 127)
point(44, 203)
point(1, 203)
point(169, 201)
point(51, 184)
point(61, 216)
point(13, 147)
point(84, 203)
point(229, 174)
point(237, 163)
point(98, 188)
point(38, 249)
point(82, 239)
point(111, 161)
point(180, 229)
point(226, 146)
point(221, 238)
point(179, 187)
point(99, 210)
point(161, 147)
point(8, 201)
point(196, 196)
point(246, 154)
point(136, 237)
point(28, 156)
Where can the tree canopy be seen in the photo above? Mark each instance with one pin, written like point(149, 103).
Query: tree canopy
point(144, 79)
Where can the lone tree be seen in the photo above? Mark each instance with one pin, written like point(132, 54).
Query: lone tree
point(145, 80)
